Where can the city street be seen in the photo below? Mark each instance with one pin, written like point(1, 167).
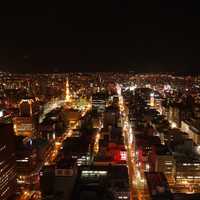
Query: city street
point(136, 178)
point(52, 155)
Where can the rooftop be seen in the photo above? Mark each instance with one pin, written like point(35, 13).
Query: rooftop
point(65, 163)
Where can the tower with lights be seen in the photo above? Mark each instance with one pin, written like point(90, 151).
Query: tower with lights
point(67, 92)
point(152, 100)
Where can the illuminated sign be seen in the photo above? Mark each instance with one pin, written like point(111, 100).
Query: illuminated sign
point(123, 155)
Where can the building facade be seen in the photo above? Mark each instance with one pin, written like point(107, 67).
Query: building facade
point(7, 162)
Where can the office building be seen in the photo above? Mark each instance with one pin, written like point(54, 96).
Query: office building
point(7, 162)
point(99, 102)
point(23, 126)
point(65, 177)
point(47, 180)
point(25, 107)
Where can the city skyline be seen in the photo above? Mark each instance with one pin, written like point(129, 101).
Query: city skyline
point(105, 135)
point(100, 100)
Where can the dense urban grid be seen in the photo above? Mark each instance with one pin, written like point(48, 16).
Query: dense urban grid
point(104, 136)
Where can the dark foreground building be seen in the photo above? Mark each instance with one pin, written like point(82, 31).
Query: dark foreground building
point(102, 182)
point(158, 186)
point(7, 162)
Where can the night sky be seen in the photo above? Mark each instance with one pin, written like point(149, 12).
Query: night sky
point(153, 35)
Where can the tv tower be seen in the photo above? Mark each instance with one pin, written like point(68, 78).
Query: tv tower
point(67, 92)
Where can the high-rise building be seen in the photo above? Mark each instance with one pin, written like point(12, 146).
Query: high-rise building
point(47, 181)
point(158, 186)
point(99, 102)
point(110, 117)
point(57, 181)
point(166, 164)
point(65, 177)
point(23, 126)
point(25, 107)
point(7, 162)
point(26, 163)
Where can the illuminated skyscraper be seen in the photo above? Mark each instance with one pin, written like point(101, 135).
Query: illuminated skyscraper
point(23, 124)
point(7, 162)
point(25, 107)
